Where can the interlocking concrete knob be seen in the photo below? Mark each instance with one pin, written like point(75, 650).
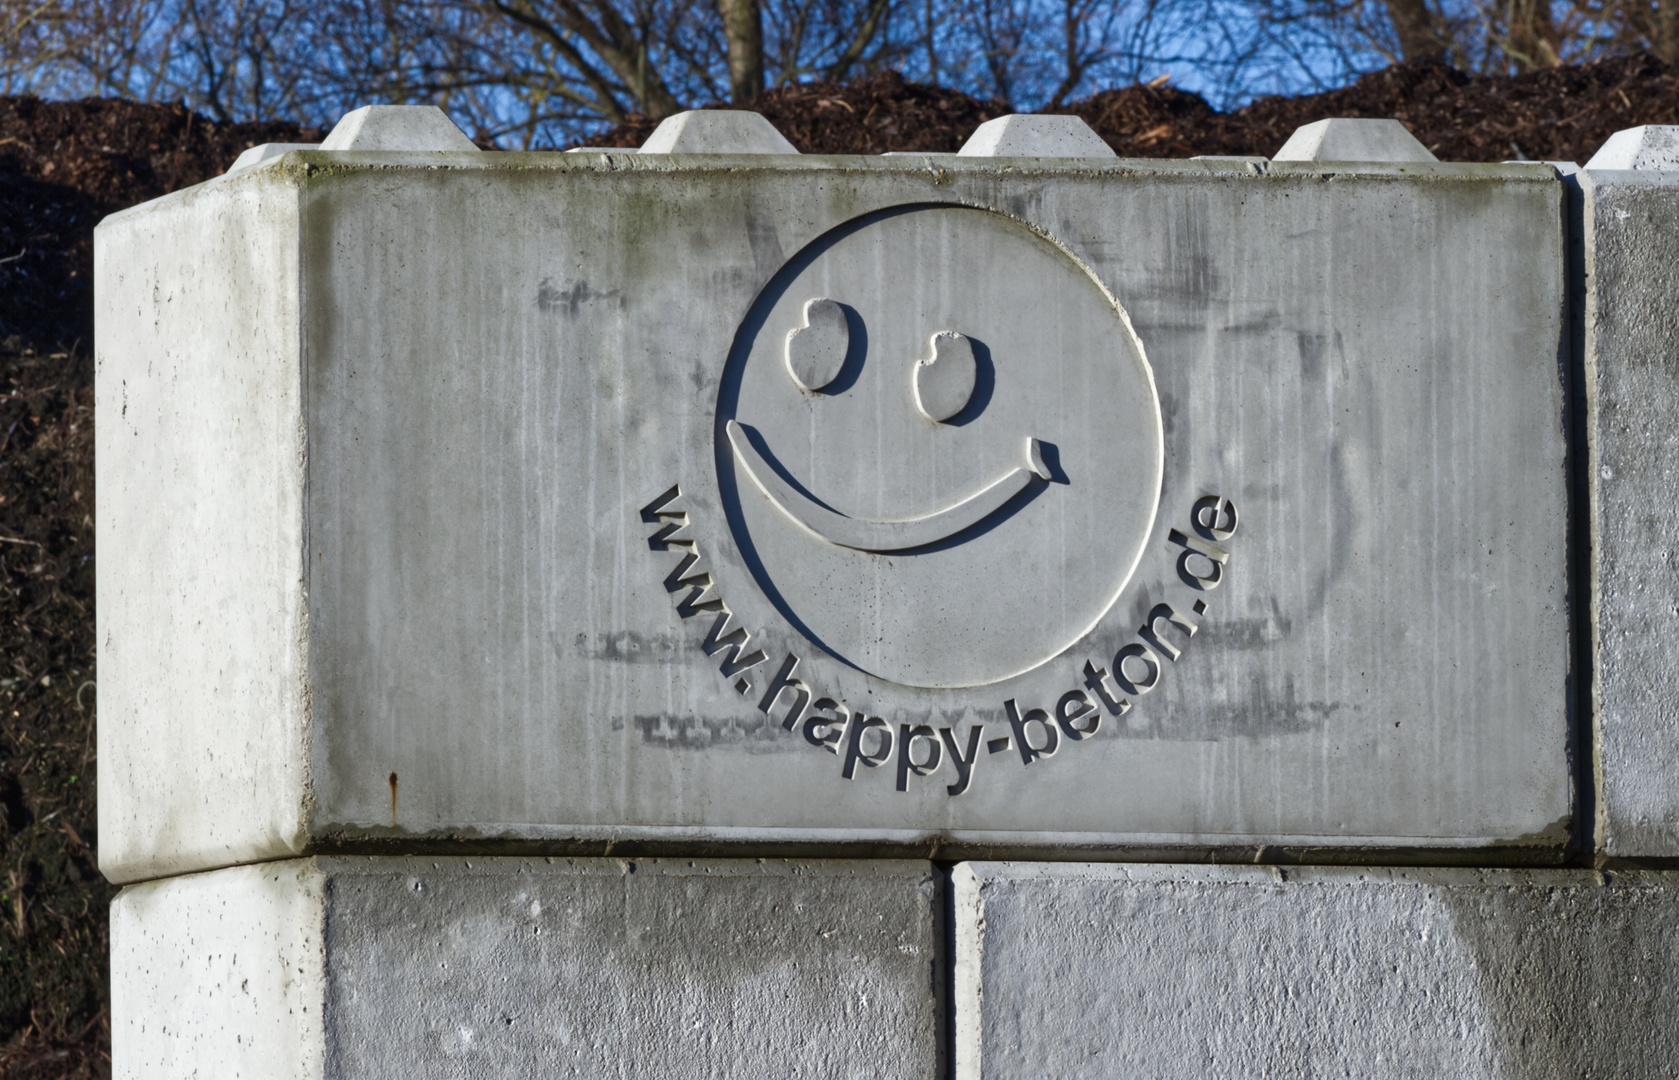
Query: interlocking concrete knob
point(397, 127)
point(267, 151)
point(1653, 146)
point(716, 131)
point(1036, 136)
point(1353, 140)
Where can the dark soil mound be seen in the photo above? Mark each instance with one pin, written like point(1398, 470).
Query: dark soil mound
point(1561, 114)
point(65, 165)
point(870, 116)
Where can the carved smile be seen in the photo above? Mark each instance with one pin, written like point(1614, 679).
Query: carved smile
point(896, 535)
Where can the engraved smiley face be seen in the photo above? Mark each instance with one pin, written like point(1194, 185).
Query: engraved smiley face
point(944, 386)
point(939, 446)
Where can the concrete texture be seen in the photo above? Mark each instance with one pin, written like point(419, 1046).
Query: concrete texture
point(1079, 970)
point(1631, 338)
point(459, 547)
point(397, 127)
point(220, 975)
point(1653, 146)
point(203, 629)
point(716, 131)
point(1353, 140)
point(1020, 135)
point(368, 968)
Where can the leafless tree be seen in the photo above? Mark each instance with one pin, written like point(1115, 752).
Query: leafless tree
point(538, 72)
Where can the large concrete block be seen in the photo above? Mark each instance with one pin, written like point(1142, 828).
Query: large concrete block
point(1631, 335)
point(389, 967)
point(561, 501)
point(1079, 970)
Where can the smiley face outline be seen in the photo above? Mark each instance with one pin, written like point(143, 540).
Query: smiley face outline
point(998, 259)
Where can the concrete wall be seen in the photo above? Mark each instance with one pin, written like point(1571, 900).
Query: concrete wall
point(423, 478)
point(394, 967)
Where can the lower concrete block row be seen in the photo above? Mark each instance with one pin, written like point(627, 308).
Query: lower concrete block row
point(502, 967)
point(443, 967)
point(1078, 970)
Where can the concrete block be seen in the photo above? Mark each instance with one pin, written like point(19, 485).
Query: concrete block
point(716, 131)
point(1353, 140)
point(1630, 329)
point(262, 152)
point(388, 967)
point(1021, 135)
point(1653, 146)
point(397, 127)
point(1074, 970)
point(1249, 527)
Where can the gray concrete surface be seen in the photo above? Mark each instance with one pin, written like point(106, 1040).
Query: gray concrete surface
point(1021, 135)
point(1079, 970)
point(441, 967)
point(450, 538)
point(1631, 336)
point(1343, 139)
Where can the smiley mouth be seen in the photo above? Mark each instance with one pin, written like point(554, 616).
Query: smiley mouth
point(895, 535)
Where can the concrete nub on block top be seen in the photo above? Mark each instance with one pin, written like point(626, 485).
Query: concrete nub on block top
point(367, 968)
point(1021, 135)
point(1651, 147)
point(1187, 972)
point(397, 127)
point(1630, 327)
point(716, 131)
point(263, 152)
point(1342, 139)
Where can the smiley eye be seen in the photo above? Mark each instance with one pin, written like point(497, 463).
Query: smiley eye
point(944, 383)
point(816, 351)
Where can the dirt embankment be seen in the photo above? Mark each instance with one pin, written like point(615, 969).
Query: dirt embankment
point(1563, 114)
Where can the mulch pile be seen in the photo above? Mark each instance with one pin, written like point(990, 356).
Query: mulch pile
point(64, 165)
point(1561, 114)
point(869, 116)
